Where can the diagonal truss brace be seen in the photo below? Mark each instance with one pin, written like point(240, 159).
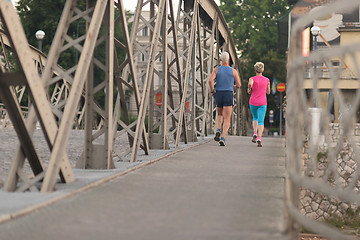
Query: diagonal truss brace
point(41, 104)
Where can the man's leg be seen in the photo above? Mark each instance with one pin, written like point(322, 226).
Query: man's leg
point(227, 116)
point(219, 118)
point(219, 121)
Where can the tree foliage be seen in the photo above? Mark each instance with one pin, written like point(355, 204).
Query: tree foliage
point(253, 23)
point(254, 29)
point(45, 15)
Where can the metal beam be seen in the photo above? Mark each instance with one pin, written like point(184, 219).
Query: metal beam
point(74, 97)
point(187, 69)
point(126, 68)
point(18, 41)
point(188, 51)
point(148, 80)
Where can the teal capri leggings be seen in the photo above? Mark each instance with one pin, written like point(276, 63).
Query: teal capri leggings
point(258, 113)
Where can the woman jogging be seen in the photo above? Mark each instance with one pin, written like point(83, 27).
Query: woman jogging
point(225, 77)
point(258, 87)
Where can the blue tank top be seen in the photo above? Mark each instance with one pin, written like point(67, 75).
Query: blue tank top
point(225, 79)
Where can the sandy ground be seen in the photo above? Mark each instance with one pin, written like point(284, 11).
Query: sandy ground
point(311, 237)
point(9, 143)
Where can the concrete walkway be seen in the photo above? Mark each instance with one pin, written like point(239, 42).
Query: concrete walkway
point(207, 192)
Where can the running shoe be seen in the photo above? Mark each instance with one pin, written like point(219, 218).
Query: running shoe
point(259, 142)
point(222, 141)
point(217, 136)
point(254, 138)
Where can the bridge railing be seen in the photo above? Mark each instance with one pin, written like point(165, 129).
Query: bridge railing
point(322, 157)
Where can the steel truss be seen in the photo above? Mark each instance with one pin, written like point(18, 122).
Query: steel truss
point(58, 89)
point(181, 51)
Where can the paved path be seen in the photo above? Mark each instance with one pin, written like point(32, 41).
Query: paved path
point(207, 192)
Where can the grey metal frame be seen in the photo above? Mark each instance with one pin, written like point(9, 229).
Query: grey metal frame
point(41, 107)
point(189, 50)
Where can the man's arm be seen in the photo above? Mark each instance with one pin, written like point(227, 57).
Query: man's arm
point(211, 81)
point(237, 78)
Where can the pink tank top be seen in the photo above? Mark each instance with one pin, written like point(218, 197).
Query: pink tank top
point(258, 95)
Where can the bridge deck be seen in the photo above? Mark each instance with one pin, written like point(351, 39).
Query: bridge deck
point(206, 192)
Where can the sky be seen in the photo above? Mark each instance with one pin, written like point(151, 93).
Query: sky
point(131, 4)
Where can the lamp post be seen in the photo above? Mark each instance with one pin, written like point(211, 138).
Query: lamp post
point(315, 31)
point(40, 34)
point(315, 112)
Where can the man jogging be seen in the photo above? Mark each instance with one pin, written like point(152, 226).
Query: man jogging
point(225, 77)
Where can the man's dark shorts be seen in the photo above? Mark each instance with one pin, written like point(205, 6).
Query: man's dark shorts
point(224, 98)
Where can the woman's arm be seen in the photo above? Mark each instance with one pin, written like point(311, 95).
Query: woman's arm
point(268, 89)
point(250, 84)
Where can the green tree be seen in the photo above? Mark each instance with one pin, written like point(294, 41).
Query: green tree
point(45, 15)
point(253, 23)
point(255, 33)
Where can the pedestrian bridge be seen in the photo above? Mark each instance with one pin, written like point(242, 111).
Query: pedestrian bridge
point(153, 74)
point(152, 97)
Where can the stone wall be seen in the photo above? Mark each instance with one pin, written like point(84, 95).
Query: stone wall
point(335, 131)
point(316, 205)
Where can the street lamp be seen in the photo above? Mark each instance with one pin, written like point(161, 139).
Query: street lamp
point(315, 112)
point(315, 31)
point(40, 34)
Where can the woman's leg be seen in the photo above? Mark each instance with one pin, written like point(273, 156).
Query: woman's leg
point(255, 118)
point(260, 131)
point(261, 114)
point(255, 127)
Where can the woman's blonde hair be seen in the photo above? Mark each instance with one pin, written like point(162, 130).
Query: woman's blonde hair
point(259, 67)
